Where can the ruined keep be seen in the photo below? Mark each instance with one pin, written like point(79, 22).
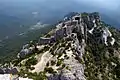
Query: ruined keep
point(65, 28)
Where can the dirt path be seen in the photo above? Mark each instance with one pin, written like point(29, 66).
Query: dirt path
point(42, 63)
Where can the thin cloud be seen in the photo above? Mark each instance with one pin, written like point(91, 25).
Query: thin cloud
point(106, 4)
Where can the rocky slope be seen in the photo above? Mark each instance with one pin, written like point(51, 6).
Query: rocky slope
point(81, 47)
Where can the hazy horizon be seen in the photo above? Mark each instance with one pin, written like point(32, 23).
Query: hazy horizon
point(53, 7)
point(14, 13)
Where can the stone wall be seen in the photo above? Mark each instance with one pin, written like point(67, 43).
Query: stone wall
point(44, 40)
point(63, 29)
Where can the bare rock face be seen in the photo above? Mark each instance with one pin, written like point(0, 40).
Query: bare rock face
point(76, 71)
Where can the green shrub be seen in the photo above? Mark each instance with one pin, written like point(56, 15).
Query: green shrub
point(117, 71)
point(53, 62)
point(47, 64)
point(49, 70)
point(32, 68)
point(63, 66)
point(46, 48)
point(59, 55)
point(67, 68)
point(66, 56)
point(59, 62)
point(16, 62)
point(41, 76)
point(31, 61)
point(77, 58)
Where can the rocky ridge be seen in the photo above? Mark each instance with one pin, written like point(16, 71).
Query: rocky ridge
point(81, 47)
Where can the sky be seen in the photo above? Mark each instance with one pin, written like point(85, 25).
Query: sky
point(103, 4)
point(106, 4)
point(48, 8)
